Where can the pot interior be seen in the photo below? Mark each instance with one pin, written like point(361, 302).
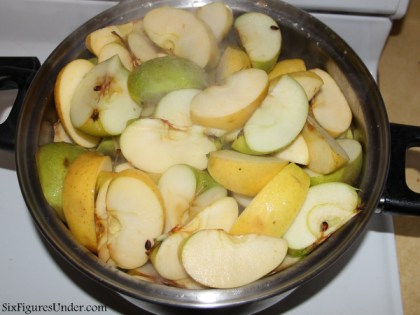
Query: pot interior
point(303, 37)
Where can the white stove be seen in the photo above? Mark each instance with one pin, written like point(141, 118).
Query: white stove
point(34, 276)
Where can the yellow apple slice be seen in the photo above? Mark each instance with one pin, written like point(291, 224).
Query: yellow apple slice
point(275, 207)
point(101, 104)
point(65, 86)
point(218, 16)
point(79, 196)
point(347, 173)
point(232, 60)
point(176, 31)
point(135, 217)
point(296, 152)
point(287, 66)
point(325, 154)
point(96, 40)
point(330, 107)
point(152, 145)
point(242, 173)
point(230, 105)
point(309, 80)
point(326, 208)
point(261, 37)
point(217, 259)
point(279, 119)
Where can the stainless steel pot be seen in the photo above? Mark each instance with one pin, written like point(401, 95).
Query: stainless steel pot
point(382, 184)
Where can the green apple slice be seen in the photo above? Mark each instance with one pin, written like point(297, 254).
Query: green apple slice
point(219, 260)
point(261, 37)
point(152, 145)
point(230, 105)
point(101, 104)
point(347, 173)
point(324, 198)
point(279, 119)
point(180, 33)
point(174, 107)
point(330, 107)
point(153, 79)
point(218, 16)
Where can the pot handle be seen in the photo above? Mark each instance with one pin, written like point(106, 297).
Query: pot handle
point(398, 198)
point(15, 72)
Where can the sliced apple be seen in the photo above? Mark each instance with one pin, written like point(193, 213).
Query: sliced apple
point(349, 172)
point(153, 145)
point(242, 173)
point(279, 119)
point(174, 107)
point(261, 37)
point(325, 154)
point(230, 105)
point(309, 80)
point(117, 48)
point(79, 196)
point(96, 40)
point(180, 186)
point(140, 44)
point(166, 257)
point(154, 78)
point(101, 104)
point(275, 207)
point(327, 207)
point(287, 66)
point(296, 152)
point(60, 133)
point(219, 260)
point(65, 86)
point(232, 60)
point(176, 31)
point(330, 107)
point(136, 216)
point(218, 17)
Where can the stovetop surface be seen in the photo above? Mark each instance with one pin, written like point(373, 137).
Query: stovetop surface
point(364, 281)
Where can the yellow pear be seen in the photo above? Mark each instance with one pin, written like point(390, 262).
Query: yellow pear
point(274, 208)
point(79, 196)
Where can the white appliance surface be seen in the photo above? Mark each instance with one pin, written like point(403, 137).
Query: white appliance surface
point(364, 281)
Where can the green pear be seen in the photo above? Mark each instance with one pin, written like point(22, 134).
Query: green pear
point(53, 160)
point(154, 78)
